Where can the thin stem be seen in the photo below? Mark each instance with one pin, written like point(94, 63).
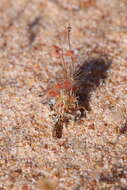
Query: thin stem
point(65, 70)
point(72, 66)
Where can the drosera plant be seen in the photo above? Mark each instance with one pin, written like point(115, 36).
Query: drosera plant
point(70, 94)
point(63, 92)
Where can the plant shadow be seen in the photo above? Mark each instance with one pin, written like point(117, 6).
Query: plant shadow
point(89, 76)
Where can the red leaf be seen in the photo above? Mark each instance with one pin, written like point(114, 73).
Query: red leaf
point(67, 85)
point(55, 51)
point(69, 53)
point(53, 93)
point(58, 86)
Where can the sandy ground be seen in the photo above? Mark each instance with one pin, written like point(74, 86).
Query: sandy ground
point(92, 153)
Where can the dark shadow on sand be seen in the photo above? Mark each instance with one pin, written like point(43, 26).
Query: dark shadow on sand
point(89, 76)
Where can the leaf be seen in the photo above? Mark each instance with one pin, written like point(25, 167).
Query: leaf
point(67, 85)
point(53, 93)
point(69, 53)
point(58, 86)
point(55, 52)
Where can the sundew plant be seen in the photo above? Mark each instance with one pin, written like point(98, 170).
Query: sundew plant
point(64, 90)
